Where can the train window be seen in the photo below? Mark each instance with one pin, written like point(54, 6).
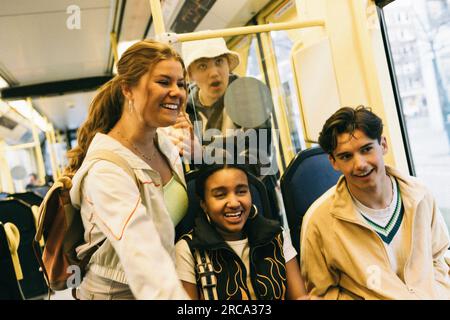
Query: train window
point(282, 43)
point(21, 163)
point(253, 69)
point(283, 46)
point(246, 47)
point(252, 66)
point(419, 37)
point(3, 83)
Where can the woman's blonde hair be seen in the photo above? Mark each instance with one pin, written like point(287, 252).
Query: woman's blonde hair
point(107, 106)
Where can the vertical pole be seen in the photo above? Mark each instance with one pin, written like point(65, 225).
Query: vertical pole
point(6, 181)
point(58, 140)
point(49, 134)
point(113, 39)
point(37, 148)
point(155, 7)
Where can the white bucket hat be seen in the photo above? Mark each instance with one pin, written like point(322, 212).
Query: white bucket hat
point(209, 48)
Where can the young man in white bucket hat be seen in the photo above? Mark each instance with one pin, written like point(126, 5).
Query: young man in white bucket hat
point(209, 64)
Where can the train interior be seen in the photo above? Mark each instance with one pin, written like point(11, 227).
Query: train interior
point(309, 58)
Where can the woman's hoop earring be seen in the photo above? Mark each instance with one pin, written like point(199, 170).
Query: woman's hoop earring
point(130, 105)
point(253, 212)
point(207, 217)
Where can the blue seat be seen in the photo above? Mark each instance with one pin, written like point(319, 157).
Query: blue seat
point(19, 213)
point(4, 195)
point(257, 189)
point(308, 176)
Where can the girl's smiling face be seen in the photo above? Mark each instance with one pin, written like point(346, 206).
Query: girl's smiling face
point(227, 202)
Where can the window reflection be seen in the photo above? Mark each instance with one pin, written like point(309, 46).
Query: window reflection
point(283, 45)
point(253, 69)
point(419, 35)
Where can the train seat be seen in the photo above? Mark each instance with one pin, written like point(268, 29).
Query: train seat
point(306, 178)
point(9, 284)
point(20, 214)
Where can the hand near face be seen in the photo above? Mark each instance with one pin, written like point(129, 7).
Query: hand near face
point(182, 136)
point(183, 122)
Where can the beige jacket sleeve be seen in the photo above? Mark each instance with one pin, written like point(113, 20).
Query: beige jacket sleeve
point(440, 246)
point(320, 279)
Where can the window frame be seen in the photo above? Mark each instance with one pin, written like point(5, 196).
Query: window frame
point(395, 85)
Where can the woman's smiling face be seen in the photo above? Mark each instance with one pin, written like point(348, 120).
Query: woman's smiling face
point(160, 94)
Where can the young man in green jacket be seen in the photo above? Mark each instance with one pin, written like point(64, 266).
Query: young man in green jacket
point(377, 234)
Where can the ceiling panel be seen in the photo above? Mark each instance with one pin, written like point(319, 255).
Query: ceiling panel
point(37, 45)
point(23, 7)
point(67, 111)
point(136, 17)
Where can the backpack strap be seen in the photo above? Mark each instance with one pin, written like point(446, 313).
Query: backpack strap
point(205, 271)
point(65, 183)
point(110, 156)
